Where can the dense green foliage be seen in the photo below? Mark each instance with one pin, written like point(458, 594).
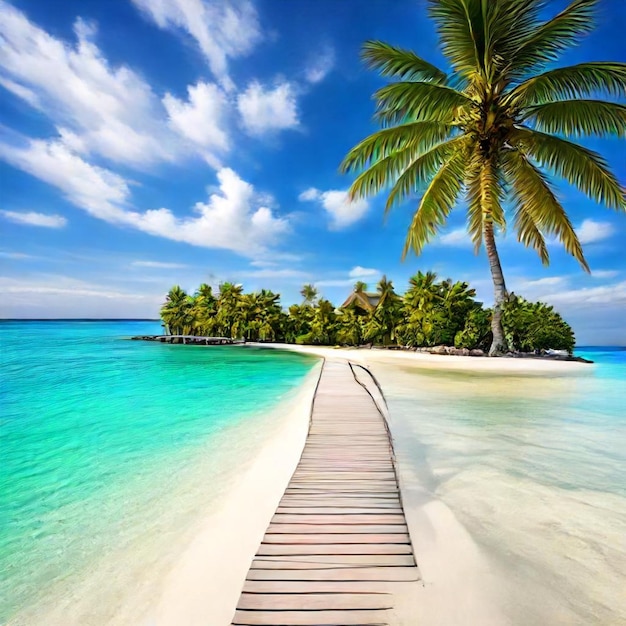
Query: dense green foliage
point(431, 313)
point(494, 132)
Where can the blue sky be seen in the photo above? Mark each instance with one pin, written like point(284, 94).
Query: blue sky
point(146, 143)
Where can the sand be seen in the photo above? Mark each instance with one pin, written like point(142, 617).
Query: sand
point(205, 585)
point(459, 585)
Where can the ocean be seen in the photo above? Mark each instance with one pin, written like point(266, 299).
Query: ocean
point(534, 467)
point(110, 449)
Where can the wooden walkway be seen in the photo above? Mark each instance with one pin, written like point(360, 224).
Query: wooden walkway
point(338, 540)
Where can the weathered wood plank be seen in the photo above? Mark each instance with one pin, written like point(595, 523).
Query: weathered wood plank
point(323, 538)
point(310, 586)
point(330, 561)
point(346, 518)
point(380, 574)
point(348, 529)
point(306, 549)
point(309, 618)
point(313, 602)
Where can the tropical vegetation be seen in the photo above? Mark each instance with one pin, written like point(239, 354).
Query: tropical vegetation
point(491, 133)
point(430, 313)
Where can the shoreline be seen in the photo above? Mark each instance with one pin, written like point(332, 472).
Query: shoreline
point(421, 360)
point(200, 590)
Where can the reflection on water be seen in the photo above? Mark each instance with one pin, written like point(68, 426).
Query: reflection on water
point(534, 468)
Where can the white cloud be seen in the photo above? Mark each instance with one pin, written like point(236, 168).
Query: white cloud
point(51, 296)
point(591, 231)
point(232, 219)
point(159, 264)
point(604, 273)
point(320, 65)
point(201, 119)
point(363, 272)
point(590, 297)
point(458, 237)
point(222, 30)
point(310, 194)
point(35, 219)
point(343, 213)
point(97, 108)
point(276, 273)
point(265, 110)
point(99, 191)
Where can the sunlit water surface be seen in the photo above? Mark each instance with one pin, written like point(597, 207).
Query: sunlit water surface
point(111, 450)
point(535, 468)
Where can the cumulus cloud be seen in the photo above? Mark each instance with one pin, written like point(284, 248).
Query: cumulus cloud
point(264, 110)
point(33, 218)
point(221, 30)
point(320, 65)
point(97, 108)
point(200, 119)
point(335, 202)
point(233, 218)
point(591, 231)
point(363, 272)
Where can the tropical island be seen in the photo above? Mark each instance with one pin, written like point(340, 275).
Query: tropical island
point(441, 316)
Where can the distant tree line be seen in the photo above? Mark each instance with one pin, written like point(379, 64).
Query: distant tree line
point(431, 312)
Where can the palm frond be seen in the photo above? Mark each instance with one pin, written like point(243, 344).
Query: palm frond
point(485, 192)
point(575, 81)
point(399, 63)
point(537, 209)
point(581, 167)
point(461, 32)
point(436, 203)
point(553, 37)
point(422, 169)
point(416, 135)
point(579, 117)
point(419, 102)
point(383, 172)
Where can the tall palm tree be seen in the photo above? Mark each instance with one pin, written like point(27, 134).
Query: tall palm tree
point(494, 129)
point(309, 293)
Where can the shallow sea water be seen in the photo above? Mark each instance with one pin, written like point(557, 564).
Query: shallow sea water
point(535, 469)
point(111, 450)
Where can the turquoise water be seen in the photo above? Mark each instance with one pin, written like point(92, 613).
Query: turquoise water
point(99, 433)
point(534, 468)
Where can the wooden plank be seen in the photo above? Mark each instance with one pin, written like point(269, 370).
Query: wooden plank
point(305, 549)
point(346, 518)
point(335, 510)
point(313, 601)
point(349, 529)
point(309, 618)
point(330, 561)
point(323, 538)
point(310, 586)
point(380, 574)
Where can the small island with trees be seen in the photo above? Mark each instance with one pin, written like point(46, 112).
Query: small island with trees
point(437, 316)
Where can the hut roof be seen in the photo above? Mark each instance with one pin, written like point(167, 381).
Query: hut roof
point(362, 299)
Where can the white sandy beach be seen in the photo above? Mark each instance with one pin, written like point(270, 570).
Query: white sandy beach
point(459, 587)
point(459, 584)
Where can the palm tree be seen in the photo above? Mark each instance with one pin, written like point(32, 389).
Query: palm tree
point(175, 312)
point(309, 293)
point(228, 311)
point(494, 129)
point(386, 316)
point(360, 287)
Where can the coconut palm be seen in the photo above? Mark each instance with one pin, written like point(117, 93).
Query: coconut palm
point(309, 293)
point(493, 130)
point(175, 312)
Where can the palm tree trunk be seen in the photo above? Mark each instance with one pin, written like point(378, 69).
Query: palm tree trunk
point(498, 344)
